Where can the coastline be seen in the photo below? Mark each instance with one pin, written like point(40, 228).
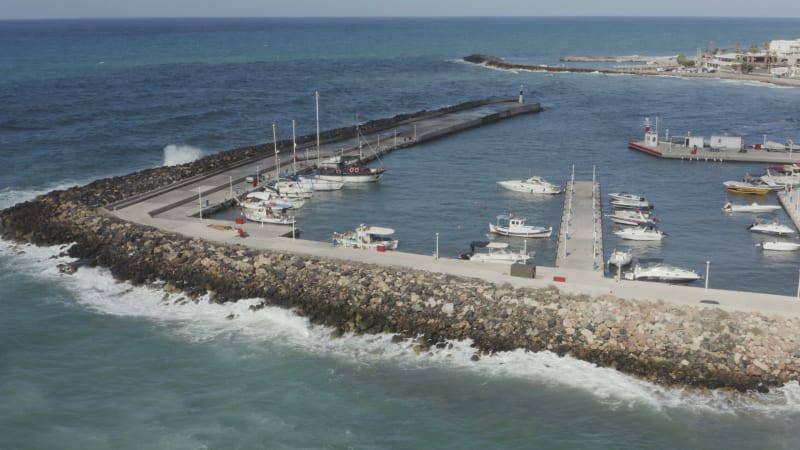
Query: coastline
point(499, 63)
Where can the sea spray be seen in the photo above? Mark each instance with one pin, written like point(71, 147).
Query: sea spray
point(176, 154)
point(201, 321)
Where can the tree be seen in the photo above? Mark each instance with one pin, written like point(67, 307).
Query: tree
point(746, 67)
point(754, 48)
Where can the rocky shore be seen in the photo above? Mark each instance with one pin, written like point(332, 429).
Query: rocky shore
point(663, 343)
point(500, 63)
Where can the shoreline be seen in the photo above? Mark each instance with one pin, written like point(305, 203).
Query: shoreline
point(499, 63)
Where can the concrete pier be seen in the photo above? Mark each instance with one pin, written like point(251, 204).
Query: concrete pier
point(580, 241)
point(215, 190)
point(667, 150)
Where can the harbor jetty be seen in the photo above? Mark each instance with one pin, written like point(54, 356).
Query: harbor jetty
point(580, 241)
point(749, 342)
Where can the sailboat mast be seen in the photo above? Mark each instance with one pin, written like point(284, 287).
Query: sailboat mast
point(277, 160)
point(294, 151)
point(317, 102)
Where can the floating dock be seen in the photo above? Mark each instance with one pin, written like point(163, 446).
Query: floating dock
point(580, 240)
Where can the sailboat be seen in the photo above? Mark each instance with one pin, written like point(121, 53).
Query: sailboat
point(351, 172)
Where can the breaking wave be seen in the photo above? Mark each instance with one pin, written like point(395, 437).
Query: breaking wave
point(181, 154)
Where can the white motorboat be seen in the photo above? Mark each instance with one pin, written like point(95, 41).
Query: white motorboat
point(641, 233)
point(625, 203)
point(510, 225)
point(625, 196)
point(631, 217)
point(788, 175)
point(771, 227)
point(783, 246)
point(751, 208)
point(662, 272)
point(620, 257)
point(496, 252)
point(367, 237)
point(270, 199)
point(293, 188)
point(532, 185)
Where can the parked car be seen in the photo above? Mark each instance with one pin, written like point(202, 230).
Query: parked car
point(252, 177)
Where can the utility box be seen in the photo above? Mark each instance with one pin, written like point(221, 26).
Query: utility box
point(725, 142)
point(523, 270)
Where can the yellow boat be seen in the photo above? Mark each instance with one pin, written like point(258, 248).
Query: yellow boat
point(742, 187)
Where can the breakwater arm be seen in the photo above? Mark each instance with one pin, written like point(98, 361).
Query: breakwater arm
point(663, 343)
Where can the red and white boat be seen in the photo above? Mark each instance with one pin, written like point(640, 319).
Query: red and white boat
point(631, 217)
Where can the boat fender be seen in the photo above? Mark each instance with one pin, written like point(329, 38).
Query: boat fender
point(352, 170)
point(355, 169)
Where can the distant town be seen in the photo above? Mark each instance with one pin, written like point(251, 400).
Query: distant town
point(778, 58)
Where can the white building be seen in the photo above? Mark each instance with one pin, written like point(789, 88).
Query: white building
point(785, 57)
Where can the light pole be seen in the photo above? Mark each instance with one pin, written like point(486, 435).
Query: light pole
point(200, 200)
point(708, 263)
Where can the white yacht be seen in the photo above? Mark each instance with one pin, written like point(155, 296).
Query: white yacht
point(641, 233)
point(773, 227)
point(751, 208)
point(532, 185)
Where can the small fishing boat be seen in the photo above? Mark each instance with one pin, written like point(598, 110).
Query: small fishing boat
point(510, 225)
point(662, 272)
point(532, 185)
point(773, 227)
point(641, 233)
point(751, 208)
point(631, 217)
point(782, 246)
point(620, 257)
point(496, 252)
point(367, 237)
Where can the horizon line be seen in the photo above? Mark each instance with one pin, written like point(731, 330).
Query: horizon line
point(20, 19)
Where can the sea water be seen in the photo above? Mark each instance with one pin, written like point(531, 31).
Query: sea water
point(88, 362)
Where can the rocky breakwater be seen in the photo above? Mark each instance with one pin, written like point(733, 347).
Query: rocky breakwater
point(663, 343)
point(660, 342)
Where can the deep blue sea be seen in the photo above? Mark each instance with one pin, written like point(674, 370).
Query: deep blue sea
point(87, 362)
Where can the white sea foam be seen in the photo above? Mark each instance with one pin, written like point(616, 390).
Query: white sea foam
point(181, 154)
point(10, 197)
point(203, 322)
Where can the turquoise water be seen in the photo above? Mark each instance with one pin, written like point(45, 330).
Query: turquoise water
point(89, 363)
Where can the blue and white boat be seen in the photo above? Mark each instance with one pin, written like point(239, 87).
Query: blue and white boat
point(510, 225)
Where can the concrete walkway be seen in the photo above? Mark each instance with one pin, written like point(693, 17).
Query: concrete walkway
point(575, 281)
point(580, 240)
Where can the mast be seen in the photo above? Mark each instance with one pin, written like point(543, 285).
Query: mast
point(277, 160)
point(317, 102)
point(294, 151)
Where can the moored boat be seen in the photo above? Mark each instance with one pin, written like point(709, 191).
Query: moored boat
point(641, 233)
point(751, 208)
point(662, 272)
point(367, 237)
point(270, 199)
point(510, 225)
point(783, 246)
point(496, 252)
point(630, 203)
point(771, 227)
point(265, 214)
point(620, 257)
point(625, 196)
point(351, 173)
point(532, 185)
point(631, 217)
point(744, 187)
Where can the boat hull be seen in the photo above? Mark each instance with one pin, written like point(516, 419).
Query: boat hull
point(524, 233)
